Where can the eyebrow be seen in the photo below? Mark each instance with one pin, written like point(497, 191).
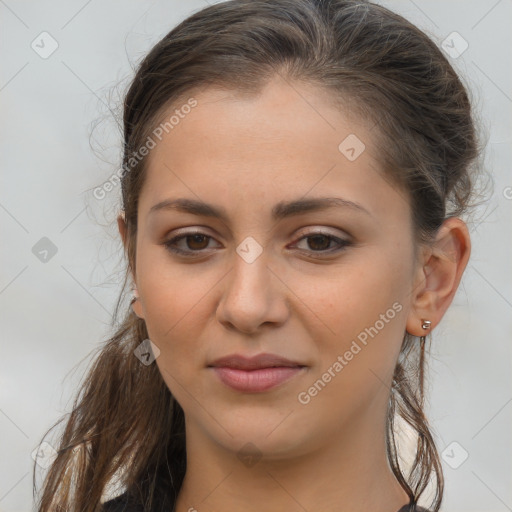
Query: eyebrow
point(281, 210)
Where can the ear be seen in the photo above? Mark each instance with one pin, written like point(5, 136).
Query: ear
point(136, 306)
point(121, 224)
point(438, 275)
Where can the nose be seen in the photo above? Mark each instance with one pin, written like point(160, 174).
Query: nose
point(252, 295)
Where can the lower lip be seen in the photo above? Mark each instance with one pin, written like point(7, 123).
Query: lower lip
point(252, 381)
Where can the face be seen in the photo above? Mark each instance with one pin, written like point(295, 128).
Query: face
point(325, 285)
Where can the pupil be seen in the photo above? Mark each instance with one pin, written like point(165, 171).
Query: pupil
point(318, 238)
point(197, 238)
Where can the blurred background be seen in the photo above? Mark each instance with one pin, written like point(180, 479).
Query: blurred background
point(65, 66)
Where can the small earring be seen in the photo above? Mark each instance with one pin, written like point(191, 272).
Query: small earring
point(425, 324)
point(135, 296)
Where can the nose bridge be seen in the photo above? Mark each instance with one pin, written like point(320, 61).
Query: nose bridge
point(249, 286)
point(251, 296)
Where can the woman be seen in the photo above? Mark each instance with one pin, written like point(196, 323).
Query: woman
point(294, 175)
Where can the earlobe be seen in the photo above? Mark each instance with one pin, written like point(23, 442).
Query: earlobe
point(121, 224)
point(137, 308)
point(136, 305)
point(440, 275)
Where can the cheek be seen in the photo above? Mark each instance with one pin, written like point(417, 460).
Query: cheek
point(359, 315)
point(171, 293)
point(174, 306)
point(356, 346)
point(176, 311)
point(353, 295)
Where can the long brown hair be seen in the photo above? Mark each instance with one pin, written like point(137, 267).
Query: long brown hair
point(125, 424)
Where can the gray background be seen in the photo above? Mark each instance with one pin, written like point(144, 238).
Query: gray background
point(55, 313)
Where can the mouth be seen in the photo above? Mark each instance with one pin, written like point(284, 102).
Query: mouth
point(255, 374)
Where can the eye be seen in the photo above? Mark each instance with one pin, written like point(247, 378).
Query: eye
point(319, 242)
point(194, 241)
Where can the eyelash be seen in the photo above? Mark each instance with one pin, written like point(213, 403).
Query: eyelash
point(169, 245)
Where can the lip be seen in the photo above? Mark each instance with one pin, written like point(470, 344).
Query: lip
point(255, 374)
point(256, 362)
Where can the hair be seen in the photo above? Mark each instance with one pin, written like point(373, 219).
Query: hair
point(125, 423)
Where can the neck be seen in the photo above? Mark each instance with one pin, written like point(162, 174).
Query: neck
point(349, 473)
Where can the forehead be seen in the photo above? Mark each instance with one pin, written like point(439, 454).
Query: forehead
point(288, 141)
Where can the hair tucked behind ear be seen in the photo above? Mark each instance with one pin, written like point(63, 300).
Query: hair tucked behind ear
point(125, 422)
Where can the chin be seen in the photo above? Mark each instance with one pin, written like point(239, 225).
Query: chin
point(271, 439)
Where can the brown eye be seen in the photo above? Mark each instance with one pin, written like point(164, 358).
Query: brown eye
point(320, 243)
point(197, 242)
point(188, 243)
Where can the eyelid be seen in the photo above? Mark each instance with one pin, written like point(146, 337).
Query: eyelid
point(323, 230)
point(309, 231)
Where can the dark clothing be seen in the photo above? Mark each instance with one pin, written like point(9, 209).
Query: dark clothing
point(121, 504)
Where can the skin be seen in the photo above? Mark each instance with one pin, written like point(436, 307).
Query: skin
point(245, 154)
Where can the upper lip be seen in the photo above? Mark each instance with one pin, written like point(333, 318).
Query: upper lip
point(253, 363)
